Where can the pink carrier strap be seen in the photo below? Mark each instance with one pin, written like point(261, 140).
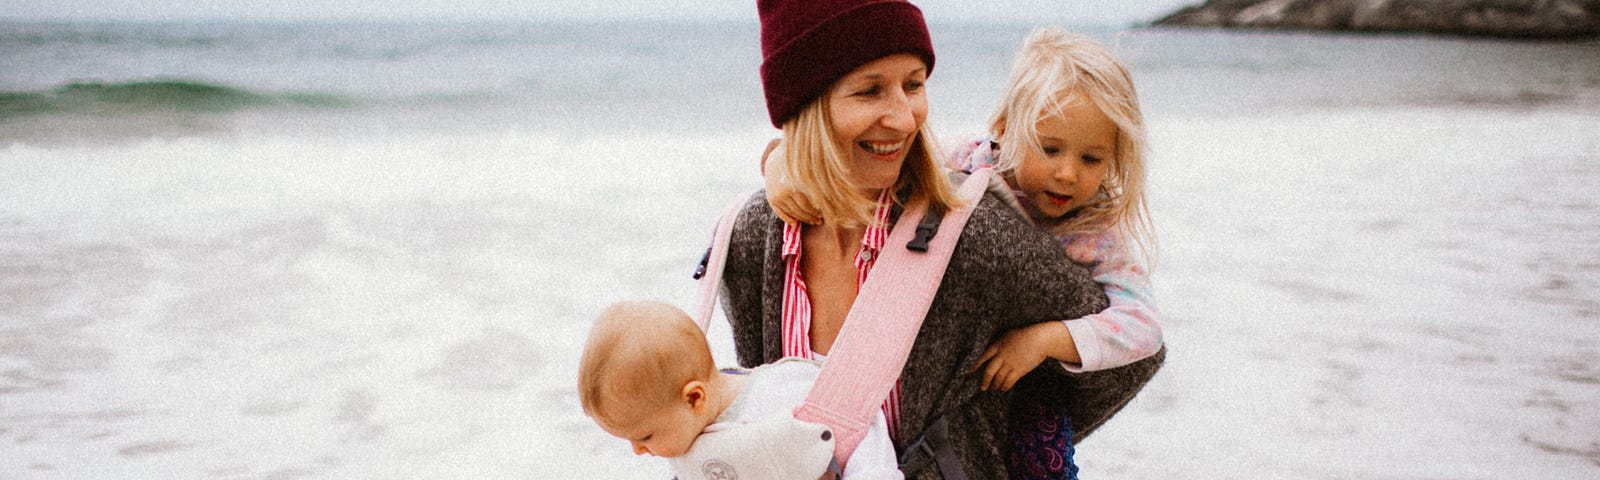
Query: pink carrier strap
point(709, 273)
point(873, 344)
point(871, 349)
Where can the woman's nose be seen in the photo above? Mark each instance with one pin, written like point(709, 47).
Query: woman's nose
point(897, 113)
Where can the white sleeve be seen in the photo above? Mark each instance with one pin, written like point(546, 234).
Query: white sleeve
point(1129, 330)
point(874, 458)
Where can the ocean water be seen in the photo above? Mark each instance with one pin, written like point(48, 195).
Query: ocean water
point(349, 251)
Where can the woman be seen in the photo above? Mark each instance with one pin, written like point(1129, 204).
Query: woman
point(844, 80)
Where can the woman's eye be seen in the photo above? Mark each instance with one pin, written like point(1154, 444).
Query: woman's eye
point(867, 92)
point(913, 86)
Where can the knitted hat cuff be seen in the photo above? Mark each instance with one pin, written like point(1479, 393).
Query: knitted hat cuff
point(803, 68)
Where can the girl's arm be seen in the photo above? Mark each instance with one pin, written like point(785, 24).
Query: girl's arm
point(790, 205)
point(1126, 332)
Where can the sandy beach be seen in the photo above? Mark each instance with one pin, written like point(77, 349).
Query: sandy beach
point(1370, 269)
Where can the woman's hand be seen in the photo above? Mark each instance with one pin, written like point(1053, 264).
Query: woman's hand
point(1019, 352)
point(791, 205)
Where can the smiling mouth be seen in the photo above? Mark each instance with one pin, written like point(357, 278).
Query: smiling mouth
point(877, 148)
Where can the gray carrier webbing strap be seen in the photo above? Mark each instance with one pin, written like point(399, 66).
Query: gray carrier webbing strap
point(933, 447)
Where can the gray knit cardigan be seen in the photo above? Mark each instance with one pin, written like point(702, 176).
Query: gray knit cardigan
point(1004, 274)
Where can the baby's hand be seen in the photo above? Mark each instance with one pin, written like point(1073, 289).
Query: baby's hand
point(791, 205)
point(1017, 353)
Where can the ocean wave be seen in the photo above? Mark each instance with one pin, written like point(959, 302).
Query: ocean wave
point(36, 35)
point(147, 96)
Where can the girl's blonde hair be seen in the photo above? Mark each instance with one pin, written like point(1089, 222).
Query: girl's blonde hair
point(819, 167)
point(1053, 71)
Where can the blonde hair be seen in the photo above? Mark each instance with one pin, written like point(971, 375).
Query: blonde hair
point(819, 167)
point(640, 354)
point(1053, 71)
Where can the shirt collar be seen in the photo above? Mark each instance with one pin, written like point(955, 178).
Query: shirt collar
point(871, 242)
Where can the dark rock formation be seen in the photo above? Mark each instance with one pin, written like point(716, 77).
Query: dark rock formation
point(1496, 18)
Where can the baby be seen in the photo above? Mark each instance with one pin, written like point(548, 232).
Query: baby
point(647, 376)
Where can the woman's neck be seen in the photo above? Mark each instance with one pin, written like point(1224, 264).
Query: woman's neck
point(840, 237)
point(836, 237)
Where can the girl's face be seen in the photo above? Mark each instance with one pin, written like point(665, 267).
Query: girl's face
point(1077, 148)
point(877, 110)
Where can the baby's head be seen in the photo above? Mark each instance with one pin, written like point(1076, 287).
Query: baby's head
point(645, 377)
point(1071, 134)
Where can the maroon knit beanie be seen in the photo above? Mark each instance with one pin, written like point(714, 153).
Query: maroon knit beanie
point(806, 45)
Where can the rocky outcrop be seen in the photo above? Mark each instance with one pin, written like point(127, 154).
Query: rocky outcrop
point(1496, 18)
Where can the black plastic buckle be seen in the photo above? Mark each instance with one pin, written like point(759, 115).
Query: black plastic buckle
point(925, 232)
point(705, 261)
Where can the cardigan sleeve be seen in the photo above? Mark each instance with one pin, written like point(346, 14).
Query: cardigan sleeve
point(1030, 275)
point(1062, 288)
point(1005, 274)
point(744, 276)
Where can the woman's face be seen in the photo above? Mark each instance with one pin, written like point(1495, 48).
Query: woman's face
point(877, 109)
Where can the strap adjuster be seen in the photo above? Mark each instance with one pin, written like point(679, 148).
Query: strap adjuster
point(705, 261)
point(925, 231)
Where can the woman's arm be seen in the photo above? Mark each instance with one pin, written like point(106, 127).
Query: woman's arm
point(1005, 274)
point(744, 282)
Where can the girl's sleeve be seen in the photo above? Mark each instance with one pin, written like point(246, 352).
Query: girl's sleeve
point(964, 155)
point(1127, 331)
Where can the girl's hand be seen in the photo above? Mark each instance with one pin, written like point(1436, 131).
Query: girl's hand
point(1017, 353)
point(791, 205)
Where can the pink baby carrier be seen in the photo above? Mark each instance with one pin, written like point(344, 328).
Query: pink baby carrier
point(875, 341)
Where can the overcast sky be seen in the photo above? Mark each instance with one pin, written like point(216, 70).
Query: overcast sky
point(1115, 12)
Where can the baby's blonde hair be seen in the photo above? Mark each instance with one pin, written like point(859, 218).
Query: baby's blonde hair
point(1054, 70)
point(819, 166)
point(640, 355)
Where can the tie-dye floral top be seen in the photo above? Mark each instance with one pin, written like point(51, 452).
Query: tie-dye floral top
point(1127, 331)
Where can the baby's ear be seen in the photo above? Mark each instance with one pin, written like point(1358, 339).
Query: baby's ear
point(695, 396)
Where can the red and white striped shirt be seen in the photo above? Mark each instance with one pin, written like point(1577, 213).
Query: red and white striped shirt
point(797, 303)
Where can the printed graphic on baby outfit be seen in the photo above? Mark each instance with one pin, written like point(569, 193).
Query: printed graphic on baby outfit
point(718, 470)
